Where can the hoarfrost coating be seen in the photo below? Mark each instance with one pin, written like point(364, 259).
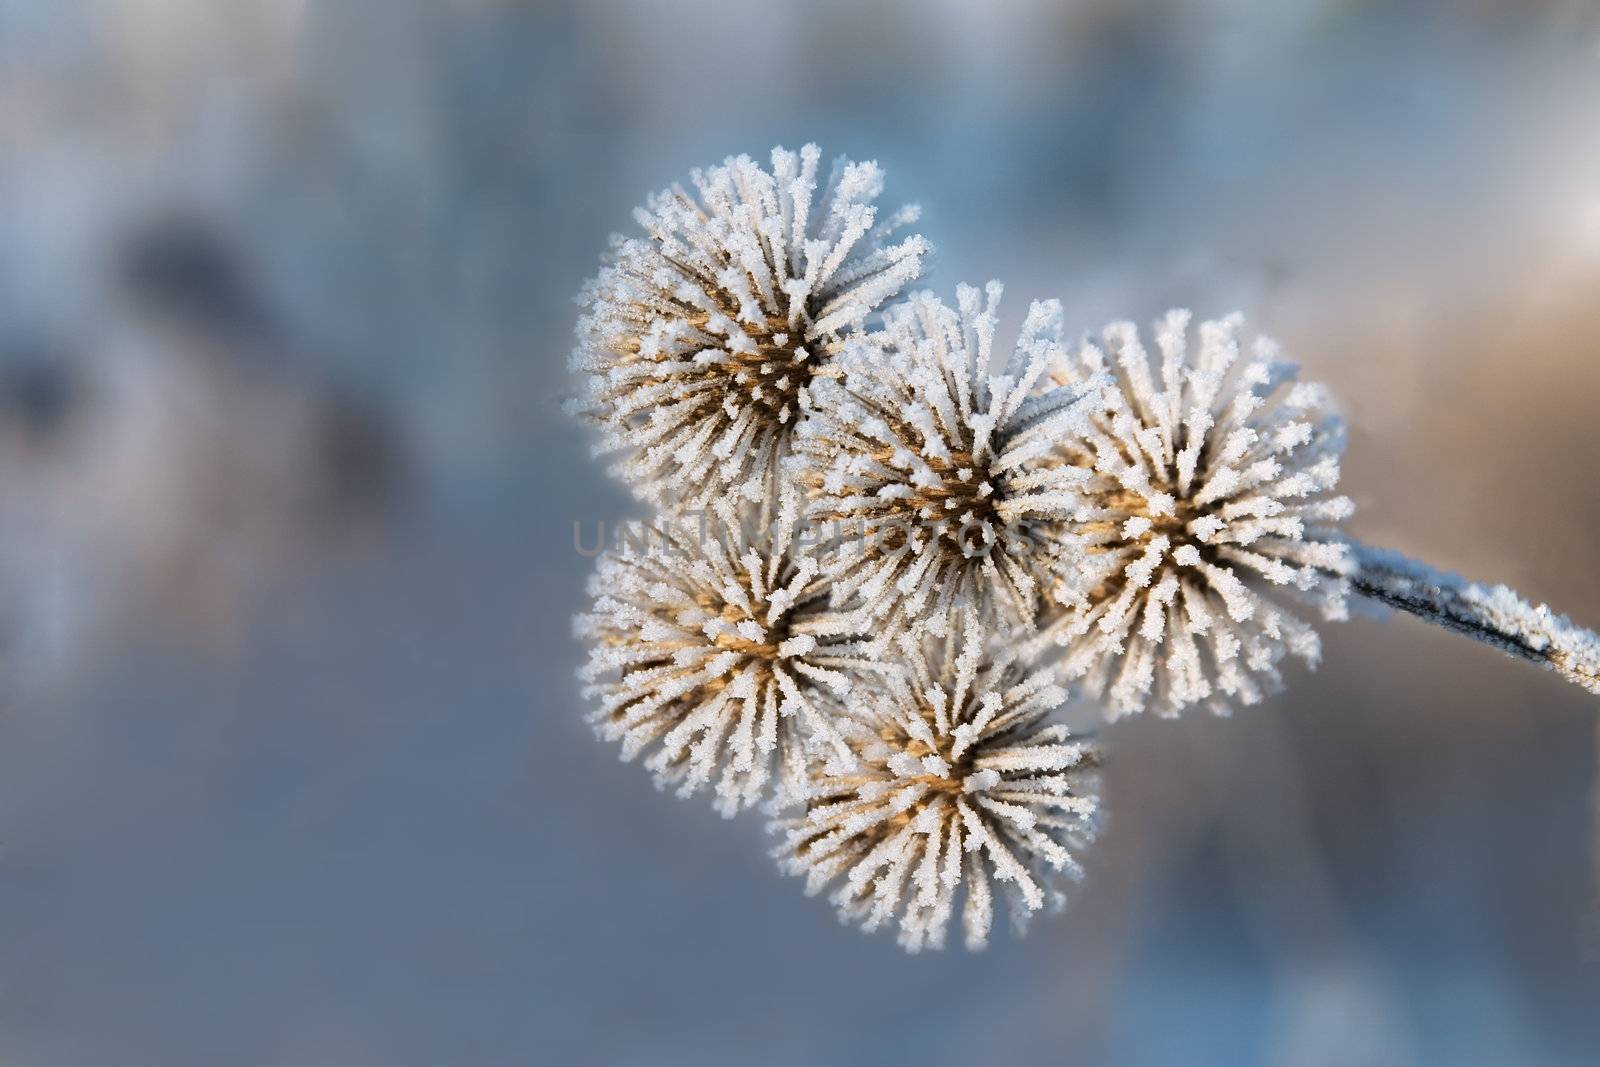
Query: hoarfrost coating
point(702, 338)
point(716, 651)
point(944, 474)
point(1205, 490)
point(1494, 615)
point(960, 787)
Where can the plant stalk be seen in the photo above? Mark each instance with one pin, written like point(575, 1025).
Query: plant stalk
point(1494, 615)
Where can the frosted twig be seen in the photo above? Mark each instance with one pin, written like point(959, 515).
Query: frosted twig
point(1494, 615)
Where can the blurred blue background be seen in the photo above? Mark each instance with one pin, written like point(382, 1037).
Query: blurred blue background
point(292, 764)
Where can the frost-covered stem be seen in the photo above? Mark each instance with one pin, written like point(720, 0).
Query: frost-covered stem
point(1496, 616)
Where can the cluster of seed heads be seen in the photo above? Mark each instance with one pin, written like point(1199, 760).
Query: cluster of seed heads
point(882, 548)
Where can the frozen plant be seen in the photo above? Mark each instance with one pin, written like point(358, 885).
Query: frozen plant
point(942, 477)
point(703, 337)
point(960, 786)
point(712, 645)
point(983, 529)
point(1211, 504)
point(1212, 478)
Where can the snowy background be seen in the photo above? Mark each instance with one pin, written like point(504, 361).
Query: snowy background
point(292, 765)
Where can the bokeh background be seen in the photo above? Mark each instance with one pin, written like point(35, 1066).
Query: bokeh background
point(292, 764)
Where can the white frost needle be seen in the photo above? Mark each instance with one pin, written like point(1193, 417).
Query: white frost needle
point(961, 790)
point(1207, 502)
point(702, 338)
point(715, 651)
point(939, 474)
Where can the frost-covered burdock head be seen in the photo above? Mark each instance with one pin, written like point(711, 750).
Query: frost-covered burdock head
point(712, 645)
point(938, 478)
point(959, 784)
point(1211, 486)
point(703, 337)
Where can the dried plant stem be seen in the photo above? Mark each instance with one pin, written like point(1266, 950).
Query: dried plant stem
point(1494, 615)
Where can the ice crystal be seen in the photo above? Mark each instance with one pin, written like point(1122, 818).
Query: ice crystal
point(960, 786)
point(1210, 486)
point(703, 337)
point(713, 645)
point(938, 478)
